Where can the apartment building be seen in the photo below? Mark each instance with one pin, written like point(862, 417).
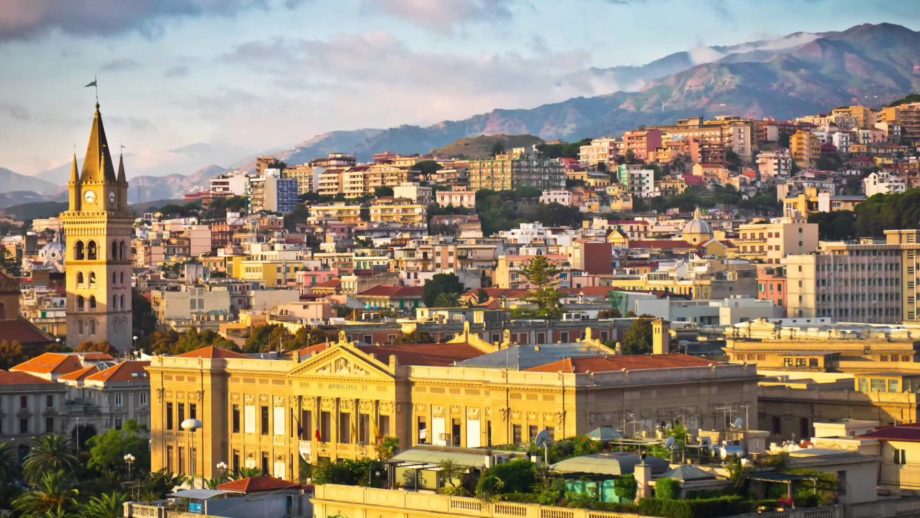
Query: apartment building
point(805, 148)
point(637, 182)
point(273, 193)
point(599, 151)
point(235, 183)
point(520, 168)
point(398, 212)
point(345, 213)
point(642, 143)
point(883, 182)
point(302, 174)
point(772, 241)
point(456, 197)
point(774, 164)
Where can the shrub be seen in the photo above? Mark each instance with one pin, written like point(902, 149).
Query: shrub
point(667, 489)
point(722, 506)
point(625, 487)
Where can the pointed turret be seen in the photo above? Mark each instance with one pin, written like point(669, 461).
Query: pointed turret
point(73, 184)
point(121, 169)
point(97, 166)
point(122, 183)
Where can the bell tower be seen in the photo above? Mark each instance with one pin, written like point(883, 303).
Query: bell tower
point(98, 228)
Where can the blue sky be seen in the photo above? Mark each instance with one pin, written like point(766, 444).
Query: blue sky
point(186, 83)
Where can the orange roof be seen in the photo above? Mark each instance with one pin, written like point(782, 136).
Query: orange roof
point(21, 378)
point(127, 371)
point(212, 352)
point(23, 331)
point(434, 355)
point(58, 363)
point(310, 350)
point(256, 485)
point(629, 362)
point(79, 374)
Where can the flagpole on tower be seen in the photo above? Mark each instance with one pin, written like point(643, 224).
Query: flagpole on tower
point(95, 85)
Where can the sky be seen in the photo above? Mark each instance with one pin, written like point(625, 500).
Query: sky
point(187, 83)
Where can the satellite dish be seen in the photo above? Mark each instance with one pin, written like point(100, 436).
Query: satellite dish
point(738, 423)
point(669, 443)
point(542, 439)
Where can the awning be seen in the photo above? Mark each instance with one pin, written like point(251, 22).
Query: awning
point(427, 456)
point(200, 494)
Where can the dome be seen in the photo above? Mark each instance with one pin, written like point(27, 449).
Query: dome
point(53, 252)
point(697, 225)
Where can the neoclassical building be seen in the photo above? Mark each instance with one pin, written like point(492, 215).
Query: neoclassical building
point(98, 226)
point(337, 401)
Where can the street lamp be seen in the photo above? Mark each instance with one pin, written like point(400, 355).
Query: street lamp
point(129, 460)
point(190, 425)
point(134, 343)
point(222, 469)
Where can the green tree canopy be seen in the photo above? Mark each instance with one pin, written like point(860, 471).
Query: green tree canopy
point(638, 338)
point(443, 288)
point(542, 274)
point(48, 453)
point(107, 450)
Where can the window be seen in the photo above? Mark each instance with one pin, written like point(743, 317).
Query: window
point(78, 251)
point(516, 434)
point(532, 432)
point(193, 411)
point(306, 424)
point(91, 252)
point(344, 430)
point(263, 421)
point(119, 399)
point(422, 431)
point(775, 425)
point(364, 429)
point(181, 460)
point(900, 456)
point(236, 419)
point(118, 423)
point(23, 425)
point(142, 398)
point(383, 426)
point(169, 416)
point(455, 433)
point(181, 413)
point(264, 463)
point(49, 425)
point(23, 402)
point(49, 401)
point(325, 426)
point(235, 461)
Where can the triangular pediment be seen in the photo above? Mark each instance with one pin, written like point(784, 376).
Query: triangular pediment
point(342, 362)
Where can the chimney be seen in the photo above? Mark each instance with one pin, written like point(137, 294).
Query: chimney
point(661, 337)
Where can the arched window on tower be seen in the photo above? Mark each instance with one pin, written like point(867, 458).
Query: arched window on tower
point(92, 279)
point(121, 278)
point(92, 302)
point(122, 251)
point(92, 326)
point(121, 300)
point(80, 279)
point(78, 251)
point(79, 327)
point(114, 278)
point(91, 253)
point(114, 250)
point(114, 301)
point(81, 303)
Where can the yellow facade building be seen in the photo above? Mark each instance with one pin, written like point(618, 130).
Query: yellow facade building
point(805, 148)
point(98, 226)
point(337, 401)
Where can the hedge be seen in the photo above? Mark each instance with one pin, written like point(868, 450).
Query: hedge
point(722, 506)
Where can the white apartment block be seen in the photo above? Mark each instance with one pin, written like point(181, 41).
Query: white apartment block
point(883, 182)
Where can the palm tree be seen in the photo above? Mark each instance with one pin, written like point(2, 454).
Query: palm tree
point(9, 468)
point(108, 505)
point(53, 492)
point(48, 453)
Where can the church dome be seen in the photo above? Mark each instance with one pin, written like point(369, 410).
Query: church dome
point(52, 252)
point(697, 225)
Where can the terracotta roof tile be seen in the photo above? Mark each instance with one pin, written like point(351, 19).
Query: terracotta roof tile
point(22, 331)
point(124, 372)
point(79, 374)
point(59, 363)
point(256, 485)
point(902, 432)
point(629, 362)
point(433, 355)
point(393, 292)
point(212, 352)
point(21, 378)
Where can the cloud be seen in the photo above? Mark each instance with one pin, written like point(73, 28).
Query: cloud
point(119, 65)
point(443, 15)
point(176, 71)
point(18, 112)
point(701, 54)
point(23, 19)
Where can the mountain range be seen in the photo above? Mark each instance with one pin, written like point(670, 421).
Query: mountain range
point(794, 75)
point(785, 77)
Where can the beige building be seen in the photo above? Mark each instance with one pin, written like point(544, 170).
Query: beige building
point(805, 148)
point(337, 401)
point(389, 210)
point(302, 174)
point(866, 282)
point(772, 241)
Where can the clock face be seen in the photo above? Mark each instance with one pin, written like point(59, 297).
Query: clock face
point(90, 196)
point(111, 198)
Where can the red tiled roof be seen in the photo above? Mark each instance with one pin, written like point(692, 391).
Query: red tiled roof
point(22, 331)
point(902, 432)
point(128, 371)
point(21, 378)
point(79, 374)
point(58, 363)
point(629, 362)
point(497, 293)
point(628, 222)
point(310, 350)
point(256, 485)
point(394, 292)
point(331, 283)
point(434, 355)
point(212, 352)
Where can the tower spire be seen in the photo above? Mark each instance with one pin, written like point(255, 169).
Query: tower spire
point(74, 174)
point(121, 167)
point(97, 166)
